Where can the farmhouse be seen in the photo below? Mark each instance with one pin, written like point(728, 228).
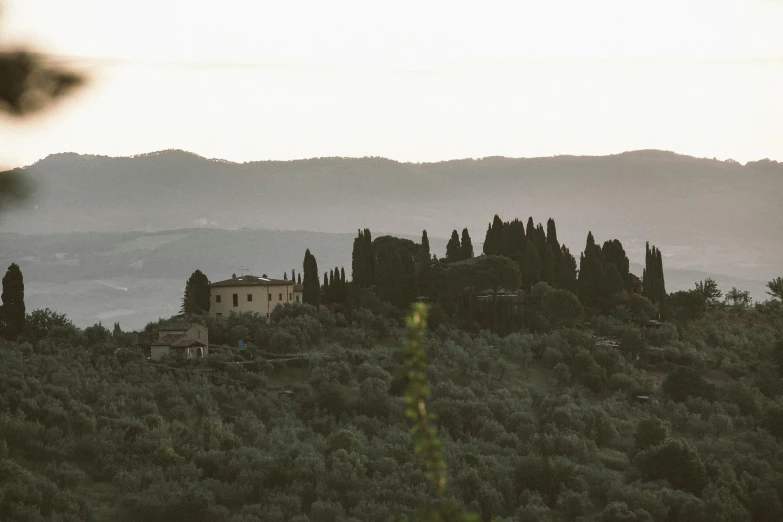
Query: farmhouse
point(248, 293)
point(184, 339)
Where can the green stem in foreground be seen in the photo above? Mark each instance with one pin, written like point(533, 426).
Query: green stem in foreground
point(426, 443)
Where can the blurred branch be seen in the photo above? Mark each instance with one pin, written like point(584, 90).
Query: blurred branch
point(29, 85)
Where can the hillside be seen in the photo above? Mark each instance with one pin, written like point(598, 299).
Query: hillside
point(542, 427)
point(708, 215)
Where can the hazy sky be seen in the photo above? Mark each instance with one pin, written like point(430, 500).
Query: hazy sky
point(415, 81)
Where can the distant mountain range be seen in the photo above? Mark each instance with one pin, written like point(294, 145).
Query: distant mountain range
point(708, 215)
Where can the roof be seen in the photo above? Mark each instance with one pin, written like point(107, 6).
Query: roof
point(250, 280)
point(177, 327)
point(298, 288)
point(177, 341)
point(168, 340)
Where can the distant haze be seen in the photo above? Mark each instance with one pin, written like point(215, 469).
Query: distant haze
point(707, 215)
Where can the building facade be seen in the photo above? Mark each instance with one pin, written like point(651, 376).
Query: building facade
point(251, 294)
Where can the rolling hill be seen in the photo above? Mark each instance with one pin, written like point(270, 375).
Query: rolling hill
point(715, 216)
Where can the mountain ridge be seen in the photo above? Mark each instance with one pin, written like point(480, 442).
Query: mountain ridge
point(706, 214)
point(636, 152)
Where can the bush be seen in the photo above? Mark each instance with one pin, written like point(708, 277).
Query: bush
point(562, 308)
point(675, 461)
point(686, 382)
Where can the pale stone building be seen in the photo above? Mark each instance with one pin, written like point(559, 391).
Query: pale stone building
point(249, 293)
point(184, 339)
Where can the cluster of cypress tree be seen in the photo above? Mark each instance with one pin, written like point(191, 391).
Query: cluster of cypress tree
point(602, 273)
point(538, 254)
point(334, 288)
point(395, 273)
point(311, 293)
point(12, 312)
point(457, 250)
point(653, 284)
point(363, 260)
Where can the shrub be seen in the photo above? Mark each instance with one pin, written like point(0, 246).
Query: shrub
point(686, 382)
point(675, 461)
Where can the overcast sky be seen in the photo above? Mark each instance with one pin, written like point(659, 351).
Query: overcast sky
point(413, 81)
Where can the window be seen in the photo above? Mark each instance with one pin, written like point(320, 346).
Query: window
point(297, 299)
point(281, 297)
point(217, 298)
point(269, 296)
point(236, 300)
point(290, 297)
point(249, 298)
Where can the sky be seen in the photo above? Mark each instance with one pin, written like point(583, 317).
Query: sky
point(409, 80)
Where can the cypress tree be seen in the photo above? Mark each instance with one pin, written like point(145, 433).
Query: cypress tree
point(299, 278)
point(515, 238)
point(342, 275)
point(614, 254)
point(531, 228)
point(311, 292)
point(331, 278)
point(567, 279)
point(488, 246)
point(493, 243)
point(197, 294)
point(13, 310)
point(648, 274)
point(369, 258)
point(531, 265)
point(592, 276)
point(551, 236)
point(357, 261)
point(285, 276)
point(453, 248)
point(659, 272)
point(424, 263)
point(326, 293)
point(467, 245)
point(293, 276)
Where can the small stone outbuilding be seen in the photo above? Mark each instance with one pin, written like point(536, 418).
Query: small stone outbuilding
point(184, 339)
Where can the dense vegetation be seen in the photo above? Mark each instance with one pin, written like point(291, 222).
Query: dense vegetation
point(555, 397)
point(310, 425)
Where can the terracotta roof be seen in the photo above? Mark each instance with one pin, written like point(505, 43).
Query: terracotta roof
point(177, 327)
point(250, 280)
point(168, 340)
point(177, 341)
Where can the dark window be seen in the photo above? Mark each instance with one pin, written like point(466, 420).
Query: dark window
point(249, 297)
point(236, 300)
point(217, 298)
point(270, 297)
point(290, 296)
point(297, 299)
point(281, 297)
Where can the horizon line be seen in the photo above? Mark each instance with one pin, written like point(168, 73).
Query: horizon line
point(223, 160)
